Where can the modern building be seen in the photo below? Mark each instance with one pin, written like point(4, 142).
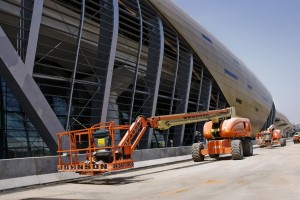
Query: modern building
point(68, 64)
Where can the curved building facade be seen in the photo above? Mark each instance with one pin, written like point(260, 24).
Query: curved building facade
point(66, 65)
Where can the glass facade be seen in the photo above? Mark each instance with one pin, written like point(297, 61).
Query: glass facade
point(104, 60)
point(19, 138)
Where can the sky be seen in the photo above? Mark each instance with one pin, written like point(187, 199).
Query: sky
point(265, 35)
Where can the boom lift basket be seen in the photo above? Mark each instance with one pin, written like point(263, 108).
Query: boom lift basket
point(93, 150)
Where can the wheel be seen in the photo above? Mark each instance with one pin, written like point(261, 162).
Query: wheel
point(214, 155)
point(247, 147)
point(282, 142)
point(237, 150)
point(196, 152)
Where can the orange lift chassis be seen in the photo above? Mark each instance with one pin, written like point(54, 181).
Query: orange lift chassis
point(225, 134)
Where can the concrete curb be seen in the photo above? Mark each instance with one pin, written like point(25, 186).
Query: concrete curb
point(19, 182)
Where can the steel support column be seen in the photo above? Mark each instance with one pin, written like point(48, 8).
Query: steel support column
point(33, 35)
point(153, 73)
point(209, 95)
point(111, 61)
point(137, 61)
point(175, 77)
point(166, 136)
point(218, 99)
point(197, 125)
point(184, 85)
point(107, 44)
point(73, 78)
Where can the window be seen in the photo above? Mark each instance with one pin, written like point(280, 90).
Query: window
point(206, 38)
point(236, 61)
point(230, 74)
point(238, 100)
point(265, 99)
point(249, 86)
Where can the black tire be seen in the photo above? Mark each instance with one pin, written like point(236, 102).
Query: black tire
point(214, 155)
point(282, 142)
point(247, 147)
point(237, 150)
point(196, 152)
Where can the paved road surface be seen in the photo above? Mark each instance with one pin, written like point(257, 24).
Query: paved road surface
point(269, 174)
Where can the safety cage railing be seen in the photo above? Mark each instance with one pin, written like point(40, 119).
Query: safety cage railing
point(93, 150)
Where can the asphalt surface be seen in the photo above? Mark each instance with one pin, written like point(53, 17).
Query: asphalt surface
point(271, 173)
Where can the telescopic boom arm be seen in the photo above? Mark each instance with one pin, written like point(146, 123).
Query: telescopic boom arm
point(165, 122)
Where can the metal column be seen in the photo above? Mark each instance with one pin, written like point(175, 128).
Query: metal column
point(137, 62)
point(109, 21)
point(153, 73)
point(166, 137)
point(209, 95)
point(184, 85)
point(197, 125)
point(76, 62)
point(33, 35)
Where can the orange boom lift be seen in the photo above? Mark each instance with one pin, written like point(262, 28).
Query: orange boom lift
point(270, 137)
point(296, 137)
point(225, 134)
point(231, 135)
